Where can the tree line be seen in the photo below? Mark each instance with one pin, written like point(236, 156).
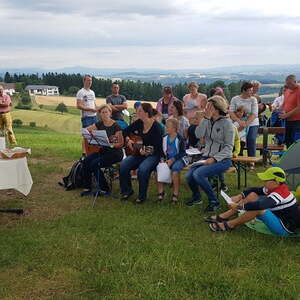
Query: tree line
point(69, 84)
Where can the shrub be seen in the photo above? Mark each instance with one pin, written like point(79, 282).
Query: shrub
point(32, 124)
point(17, 122)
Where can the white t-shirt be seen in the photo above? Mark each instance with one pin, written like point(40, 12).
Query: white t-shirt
point(250, 105)
point(88, 100)
point(277, 103)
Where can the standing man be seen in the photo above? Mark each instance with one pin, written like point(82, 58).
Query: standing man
point(86, 102)
point(117, 103)
point(5, 116)
point(291, 107)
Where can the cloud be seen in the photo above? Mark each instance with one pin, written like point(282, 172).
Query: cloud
point(148, 33)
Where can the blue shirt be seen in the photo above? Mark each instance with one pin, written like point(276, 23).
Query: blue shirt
point(171, 148)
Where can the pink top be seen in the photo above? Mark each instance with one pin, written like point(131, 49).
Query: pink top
point(191, 105)
point(5, 99)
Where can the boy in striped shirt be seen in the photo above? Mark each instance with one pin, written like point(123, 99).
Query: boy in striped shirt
point(273, 203)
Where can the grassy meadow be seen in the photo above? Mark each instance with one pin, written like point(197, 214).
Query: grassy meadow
point(62, 248)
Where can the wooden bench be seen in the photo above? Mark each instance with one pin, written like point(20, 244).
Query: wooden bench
point(265, 131)
point(240, 163)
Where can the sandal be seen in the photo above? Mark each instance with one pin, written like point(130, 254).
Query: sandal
point(217, 219)
point(160, 196)
point(174, 199)
point(215, 227)
point(139, 201)
point(125, 197)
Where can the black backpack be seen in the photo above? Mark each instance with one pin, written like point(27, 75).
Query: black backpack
point(75, 177)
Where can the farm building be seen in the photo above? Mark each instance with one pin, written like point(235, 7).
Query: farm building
point(9, 88)
point(44, 90)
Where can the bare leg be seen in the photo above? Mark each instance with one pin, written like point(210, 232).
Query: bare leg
point(176, 183)
point(231, 212)
point(160, 187)
point(242, 219)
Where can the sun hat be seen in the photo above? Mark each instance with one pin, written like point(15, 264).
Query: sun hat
point(274, 173)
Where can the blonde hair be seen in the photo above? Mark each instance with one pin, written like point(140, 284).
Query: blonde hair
point(104, 106)
point(240, 108)
point(174, 122)
point(193, 83)
point(199, 114)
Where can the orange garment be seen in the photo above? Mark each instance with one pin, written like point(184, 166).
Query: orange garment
point(291, 101)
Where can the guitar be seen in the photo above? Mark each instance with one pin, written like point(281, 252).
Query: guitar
point(137, 145)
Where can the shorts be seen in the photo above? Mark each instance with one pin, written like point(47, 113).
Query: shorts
point(88, 121)
point(177, 166)
point(274, 223)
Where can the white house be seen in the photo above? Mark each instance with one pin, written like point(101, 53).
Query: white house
point(9, 88)
point(44, 90)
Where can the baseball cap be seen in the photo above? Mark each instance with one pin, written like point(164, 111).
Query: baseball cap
point(137, 104)
point(219, 102)
point(274, 173)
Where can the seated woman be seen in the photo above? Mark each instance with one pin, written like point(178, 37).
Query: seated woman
point(146, 158)
point(218, 132)
point(273, 204)
point(174, 151)
point(176, 111)
point(106, 156)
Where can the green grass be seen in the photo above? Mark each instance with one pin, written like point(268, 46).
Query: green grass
point(64, 249)
point(64, 123)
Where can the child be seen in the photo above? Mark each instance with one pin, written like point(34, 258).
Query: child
point(242, 131)
point(273, 204)
point(158, 117)
point(174, 151)
point(194, 121)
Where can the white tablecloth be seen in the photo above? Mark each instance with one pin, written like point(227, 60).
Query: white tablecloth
point(14, 174)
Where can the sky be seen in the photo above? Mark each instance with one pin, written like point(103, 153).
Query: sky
point(138, 34)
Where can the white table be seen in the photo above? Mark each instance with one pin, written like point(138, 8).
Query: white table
point(14, 174)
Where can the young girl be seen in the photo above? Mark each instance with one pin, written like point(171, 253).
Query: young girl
point(173, 150)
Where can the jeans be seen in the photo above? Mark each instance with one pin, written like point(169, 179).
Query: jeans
point(93, 163)
point(251, 140)
point(292, 132)
point(88, 121)
point(145, 165)
point(177, 166)
point(198, 176)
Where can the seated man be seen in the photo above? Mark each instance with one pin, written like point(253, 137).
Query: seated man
point(273, 204)
point(218, 132)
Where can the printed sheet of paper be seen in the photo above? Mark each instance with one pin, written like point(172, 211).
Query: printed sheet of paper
point(226, 197)
point(96, 137)
point(192, 151)
point(198, 163)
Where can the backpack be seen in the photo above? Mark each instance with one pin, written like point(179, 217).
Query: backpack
point(75, 177)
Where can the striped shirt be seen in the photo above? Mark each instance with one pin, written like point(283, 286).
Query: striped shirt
point(280, 201)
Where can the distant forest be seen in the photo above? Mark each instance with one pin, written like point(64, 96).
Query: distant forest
point(69, 84)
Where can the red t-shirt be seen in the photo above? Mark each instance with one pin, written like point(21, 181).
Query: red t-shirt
point(5, 99)
point(291, 101)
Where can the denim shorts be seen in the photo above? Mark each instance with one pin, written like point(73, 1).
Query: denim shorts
point(178, 165)
point(88, 121)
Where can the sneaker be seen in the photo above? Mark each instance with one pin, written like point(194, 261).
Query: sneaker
point(212, 207)
point(224, 187)
point(193, 202)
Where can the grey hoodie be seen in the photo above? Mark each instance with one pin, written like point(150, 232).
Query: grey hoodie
point(219, 137)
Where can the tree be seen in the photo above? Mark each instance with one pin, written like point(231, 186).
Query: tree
point(61, 107)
